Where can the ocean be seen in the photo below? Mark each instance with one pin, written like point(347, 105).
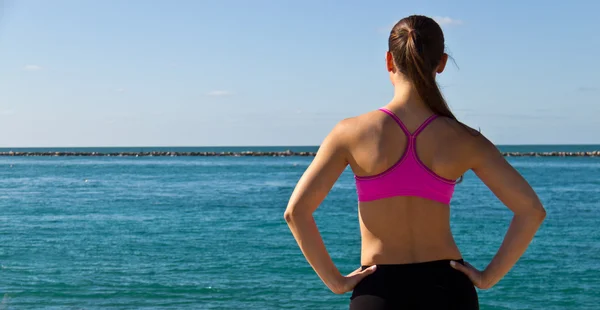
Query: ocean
point(208, 232)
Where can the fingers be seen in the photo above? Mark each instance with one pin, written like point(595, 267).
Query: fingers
point(361, 273)
point(469, 265)
point(355, 272)
point(356, 276)
point(461, 267)
point(471, 272)
point(369, 270)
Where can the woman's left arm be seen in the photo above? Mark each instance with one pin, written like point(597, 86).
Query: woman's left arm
point(311, 190)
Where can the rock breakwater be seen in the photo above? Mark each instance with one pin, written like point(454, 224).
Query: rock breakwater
point(257, 154)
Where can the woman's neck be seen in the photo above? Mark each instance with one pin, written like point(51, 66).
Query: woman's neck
point(406, 98)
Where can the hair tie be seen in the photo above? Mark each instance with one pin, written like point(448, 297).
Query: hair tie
point(411, 33)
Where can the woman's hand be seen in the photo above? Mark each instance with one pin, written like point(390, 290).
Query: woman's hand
point(477, 277)
point(347, 283)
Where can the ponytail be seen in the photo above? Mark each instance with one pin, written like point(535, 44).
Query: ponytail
point(417, 46)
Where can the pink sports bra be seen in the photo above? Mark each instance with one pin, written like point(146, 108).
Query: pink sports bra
point(408, 176)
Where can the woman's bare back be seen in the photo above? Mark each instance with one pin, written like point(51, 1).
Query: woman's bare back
point(407, 229)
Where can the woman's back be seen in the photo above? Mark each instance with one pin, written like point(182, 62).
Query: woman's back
point(406, 158)
point(406, 228)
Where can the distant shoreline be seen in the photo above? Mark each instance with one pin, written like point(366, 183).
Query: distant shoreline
point(286, 153)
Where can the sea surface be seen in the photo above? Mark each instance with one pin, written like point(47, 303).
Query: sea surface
point(208, 233)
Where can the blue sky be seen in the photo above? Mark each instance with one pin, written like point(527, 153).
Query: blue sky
point(211, 73)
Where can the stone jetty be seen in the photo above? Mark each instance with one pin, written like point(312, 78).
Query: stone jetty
point(257, 154)
point(159, 154)
point(553, 154)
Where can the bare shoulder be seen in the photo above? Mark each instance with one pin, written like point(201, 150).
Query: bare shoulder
point(479, 147)
point(488, 163)
point(353, 129)
point(472, 145)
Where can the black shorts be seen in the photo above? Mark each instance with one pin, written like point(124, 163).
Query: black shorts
point(429, 285)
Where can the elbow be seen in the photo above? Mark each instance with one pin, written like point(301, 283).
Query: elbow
point(542, 213)
point(539, 212)
point(288, 216)
point(536, 213)
point(291, 214)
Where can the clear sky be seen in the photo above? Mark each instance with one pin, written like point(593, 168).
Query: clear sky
point(258, 72)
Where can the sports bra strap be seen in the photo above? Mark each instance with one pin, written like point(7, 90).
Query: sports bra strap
point(425, 123)
point(397, 119)
point(403, 127)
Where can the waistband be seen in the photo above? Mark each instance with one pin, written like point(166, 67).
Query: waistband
point(437, 264)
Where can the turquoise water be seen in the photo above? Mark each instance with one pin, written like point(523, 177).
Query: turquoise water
point(503, 148)
point(208, 233)
point(217, 149)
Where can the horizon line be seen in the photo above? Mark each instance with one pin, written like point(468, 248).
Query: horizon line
point(254, 146)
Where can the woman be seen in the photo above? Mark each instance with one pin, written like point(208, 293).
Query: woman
point(406, 158)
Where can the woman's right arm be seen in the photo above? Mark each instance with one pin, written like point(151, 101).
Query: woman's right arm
point(514, 191)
